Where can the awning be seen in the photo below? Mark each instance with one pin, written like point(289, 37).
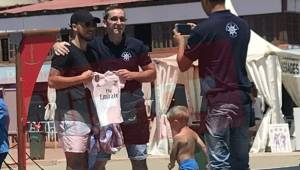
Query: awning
point(13, 3)
point(64, 4)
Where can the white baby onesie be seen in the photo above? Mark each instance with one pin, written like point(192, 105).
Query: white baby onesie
point(106, 91)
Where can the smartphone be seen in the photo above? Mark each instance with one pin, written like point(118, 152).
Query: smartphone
point(183, 29)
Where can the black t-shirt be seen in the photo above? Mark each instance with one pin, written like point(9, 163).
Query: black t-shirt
point(220, 44)
point(129, 54)
point(76, 97)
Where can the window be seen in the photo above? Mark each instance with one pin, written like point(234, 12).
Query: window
point(8, 51)
point(162, 35)
point(4, 49)
point(12, 52)
point(143, 33)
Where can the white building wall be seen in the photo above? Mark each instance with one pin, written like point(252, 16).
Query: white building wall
point(252, 7)
point(293, 6)
point(139, 15)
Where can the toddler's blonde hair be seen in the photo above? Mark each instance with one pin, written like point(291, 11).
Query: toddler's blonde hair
point(180, 113)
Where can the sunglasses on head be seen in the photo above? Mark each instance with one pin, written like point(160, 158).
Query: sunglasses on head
point(115, 18)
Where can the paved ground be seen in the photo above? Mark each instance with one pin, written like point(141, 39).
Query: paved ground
point(54, 160)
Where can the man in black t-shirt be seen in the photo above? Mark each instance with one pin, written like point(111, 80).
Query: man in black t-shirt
point(220, 45)
point(75, 110)
point(124, 55)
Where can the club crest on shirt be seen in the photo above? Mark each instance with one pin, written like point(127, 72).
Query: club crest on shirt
point(232, 29)
point(126, 55)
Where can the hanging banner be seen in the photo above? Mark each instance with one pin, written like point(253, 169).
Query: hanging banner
point(290, 65)
point(34, 49)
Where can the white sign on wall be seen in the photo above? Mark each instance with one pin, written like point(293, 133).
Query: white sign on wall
point(280, 138)
point(297, 127)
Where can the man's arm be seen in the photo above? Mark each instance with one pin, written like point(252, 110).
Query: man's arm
point(201, 144)
point(148, 74)
point(183, 62)
point(57, 81)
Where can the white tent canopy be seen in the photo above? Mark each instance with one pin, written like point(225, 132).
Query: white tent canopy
point(168, 75)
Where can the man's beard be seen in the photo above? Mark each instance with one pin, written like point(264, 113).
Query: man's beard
point(86, 38)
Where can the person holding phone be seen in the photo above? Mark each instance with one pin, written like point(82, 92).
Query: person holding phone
point(220, 45)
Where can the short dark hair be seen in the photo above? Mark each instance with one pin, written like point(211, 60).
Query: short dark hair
point(111, 7)
point(217, 1)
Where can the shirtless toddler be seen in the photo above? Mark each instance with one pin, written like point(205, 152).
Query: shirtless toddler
point(184, 140)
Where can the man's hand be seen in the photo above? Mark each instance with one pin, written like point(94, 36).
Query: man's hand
point(193, 25)
point(181, 41)
point(125, 74)
point(87, 76)
point(60, 48)
point(171, 166)
point(96, 131)
point(178, 38)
